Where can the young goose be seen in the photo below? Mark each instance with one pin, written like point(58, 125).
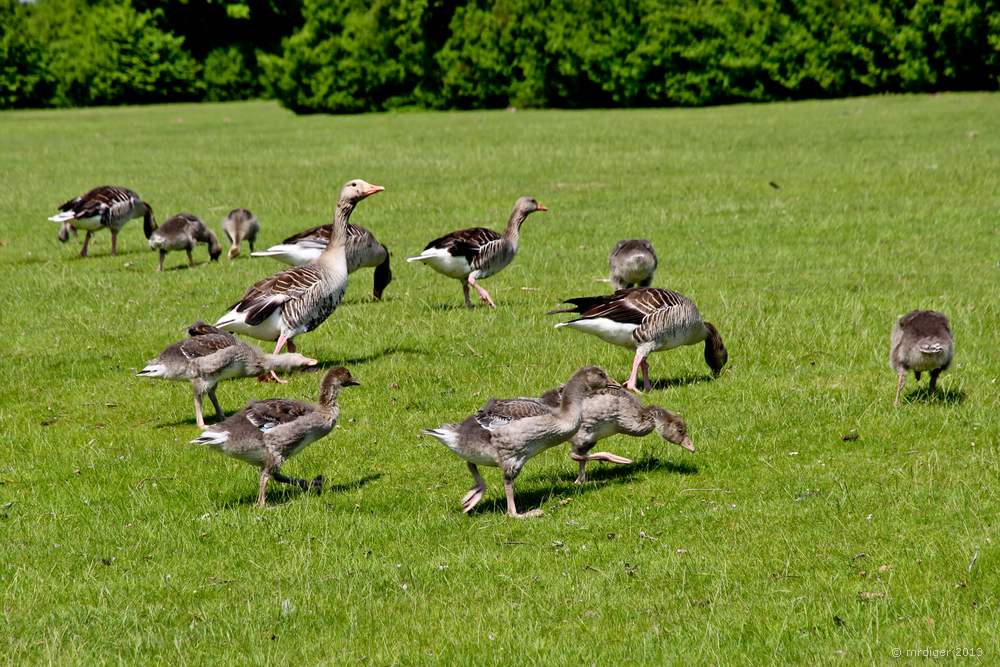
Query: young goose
point(268, 433)
point(921, 341)
point(646, 319)
point(612, 411)
point(240, 225)
point(363, 250)
point(470, 254)
point(506, 433)
point(183, 232)
point(299, 299)
point(106, 206)
point(633, 263)
point(211, 355)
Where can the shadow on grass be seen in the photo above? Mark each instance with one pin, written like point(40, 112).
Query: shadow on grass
point(683, 381)
point(924, 395)
point(532, 497)
point(279, 494)
point(367, 358)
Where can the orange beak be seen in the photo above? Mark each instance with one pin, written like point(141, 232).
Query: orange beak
point(374, 189)
point(541, 207)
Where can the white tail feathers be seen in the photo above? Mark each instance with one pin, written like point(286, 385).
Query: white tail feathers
point(153, 371)
point(428, 254)
point(931, 348)
point(62, 216)
point(446, 434)
point(211, 438)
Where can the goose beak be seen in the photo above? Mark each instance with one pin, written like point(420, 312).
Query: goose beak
point(372, 189)
point(312, 362)
point(687, 444)
point(614, 384)
point(351, 382)
point(541, 207)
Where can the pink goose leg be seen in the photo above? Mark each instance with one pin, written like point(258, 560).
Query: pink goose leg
point(637, 361)
point(273, 377)
point(483, 294)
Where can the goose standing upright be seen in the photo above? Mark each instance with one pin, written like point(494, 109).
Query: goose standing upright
point(646, 319)
point(268, 433)
point(633, 263)
point(471, 254)
point(182, 232)
point(921, 341)
point(363, 250)
point(614, 410)
point(240, 225)
point(299, 299)
point(107, 206)
point(506, 433)
point(211, 355)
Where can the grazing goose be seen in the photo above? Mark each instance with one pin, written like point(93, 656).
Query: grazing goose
point(611, 411)
point(299, 299)
point(183, 232)
point(240, 225)
point(633, 263)
point(506, 433)
point(107, 206)
point(363, 250)
point(470, 254)
point(921, 341)
point(211, 355)
point(646, 319)
point(268, 433)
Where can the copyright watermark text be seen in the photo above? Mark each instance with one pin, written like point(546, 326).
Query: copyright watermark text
point(939, 652)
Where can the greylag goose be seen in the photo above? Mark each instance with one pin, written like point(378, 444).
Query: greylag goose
point(611, 411)
point(921, 341)
point(471, 254)
point(363, 250)
point(183, 232)
point(240, 225)
point(268, 433)
point(299, 299)
point(633, 263)
point(211, 355)
point(106, 206)
point(646, 319)
point(506, 433)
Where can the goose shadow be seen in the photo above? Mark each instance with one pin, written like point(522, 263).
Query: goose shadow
point(682, 381)
point(279, 494)
point(366, 358)
point(925, 395)
point(535, 495)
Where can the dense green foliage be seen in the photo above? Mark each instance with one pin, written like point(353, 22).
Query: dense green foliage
point(354, 55)
point(777, 542)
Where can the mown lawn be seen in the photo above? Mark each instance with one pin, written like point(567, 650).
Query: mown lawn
point(801, 230)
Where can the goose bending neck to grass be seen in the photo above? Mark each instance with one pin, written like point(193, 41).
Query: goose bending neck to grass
point(921, 341)
point(614, 410)
point(363, 250)
point(107, 206)
point(506, 433)
point(240, 225)
point(183, 232)
point(633, 263)
point(646, 319)
point(211, 355)
point(268, 433)
point(299, 299)
point(471, 254)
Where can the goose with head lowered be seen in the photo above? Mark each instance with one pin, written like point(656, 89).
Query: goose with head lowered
point(301, 298)
point(240, 225)
point(363, 250)
point(646, 319)
point(211, 355)
point(470, 254)
point(633, 263)
point(506, 433)
point(268, 433)
point(921, 341)
point(183, 232)
point(107, 206)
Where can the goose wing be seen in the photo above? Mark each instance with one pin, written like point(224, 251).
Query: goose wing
point(203, 345)
point(274, 412)
point(500, 412)
point(273, 292)
point(314, 237)
point(465, 242)
point(108, 202)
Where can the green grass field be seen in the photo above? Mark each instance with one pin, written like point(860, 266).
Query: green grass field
point(777, 541)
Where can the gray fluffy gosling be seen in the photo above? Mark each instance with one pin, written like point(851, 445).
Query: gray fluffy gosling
point(633, 263)
point(921, 341)
point(614, 410)
point(268, 433)
point(211, 355)
point(506, 433)
point(240, 225)
point(183, 232)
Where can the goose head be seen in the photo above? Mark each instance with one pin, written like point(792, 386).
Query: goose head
point(289, 361)
point(148, 220)
point(356, 189)
point(670, 427)
point(335, 380)
point(527, 205)
point(716, 355)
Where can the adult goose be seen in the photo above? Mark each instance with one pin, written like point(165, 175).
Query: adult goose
point(241, 225)
point(211, 355)
point(471, 254)
point(107, 206)
point(183, 232)
point(646, 319)
point(611, 411)
point(363, 250)
point(921, 341)
point(268, 433)
point(299, 299)
point(506, 433)
point(633, 263)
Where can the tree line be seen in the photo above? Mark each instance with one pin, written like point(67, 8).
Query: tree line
point(345, 56)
